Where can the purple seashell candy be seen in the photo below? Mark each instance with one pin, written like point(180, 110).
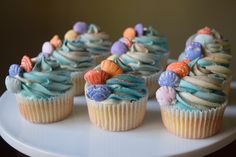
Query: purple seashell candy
point(47, 48)
point(193, 51)
point(139, 29)
point(98, 92)
point(80, 27)
point(165, 95)
point(14, 70)
point(119, 48)
point(169, 78)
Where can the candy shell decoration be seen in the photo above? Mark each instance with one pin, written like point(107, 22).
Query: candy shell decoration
point(126, 41)
point(26, 64)
point(98, 92)
point(96, 76)
point(139, 29)
point(186, 61)
point(111, 68)
point(71, 35)
point(205, 30)
point(47, 48)
point(14, 70)
point(180, 68)
point(165, 95)
point(193, 51)
point(169, 78)
point(55, 41)
point(129, 33)
point(119, 48)
point(80, 27)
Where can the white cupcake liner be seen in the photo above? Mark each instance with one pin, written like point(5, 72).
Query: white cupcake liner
point(120, 116)
point(46, 110)
point(193, 125)
point(99, 58)
point(151, 82)
point(78, 82)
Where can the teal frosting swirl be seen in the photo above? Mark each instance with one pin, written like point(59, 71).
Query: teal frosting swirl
point(46, 80)
point(126, 87)
point(139, 60)
point(201, 89)
point(152, 38)
point(73, 56)
point(95, 41)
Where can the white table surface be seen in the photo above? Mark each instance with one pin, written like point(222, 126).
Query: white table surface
point(77, 137)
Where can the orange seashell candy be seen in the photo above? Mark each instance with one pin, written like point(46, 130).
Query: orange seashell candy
point(96, 76)
point(111, 68)
point(55, 41)
point(129, 33)
point(186, 61)
point(180, 68)
point(205, 30)
point(26, 63)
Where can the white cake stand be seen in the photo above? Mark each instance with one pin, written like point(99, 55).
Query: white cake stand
point(77, 137)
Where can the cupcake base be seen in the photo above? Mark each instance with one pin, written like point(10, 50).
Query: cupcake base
point(46, 111)
point(152, 83)
point(117, 117)
point(193, 125)
point(78, 83)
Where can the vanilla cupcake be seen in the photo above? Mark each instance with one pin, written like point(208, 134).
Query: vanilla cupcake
point(116, 101)
point(191, 99)
point(97, 43)
point(72, 55)
point(43, 90)
point(141, 61)
point(215, 49)
point(150, 38)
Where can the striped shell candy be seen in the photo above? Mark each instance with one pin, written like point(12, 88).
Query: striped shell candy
point(165, 95)
point(129, 33)
point(205, 30)
point(98, 92)
point(56, 41)
point(169, 78)
point(26, 64)
point(14, 70)
point(96, 76)
point(180, 68)
point(110, 67)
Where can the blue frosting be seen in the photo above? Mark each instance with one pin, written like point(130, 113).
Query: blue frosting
point(126, 87)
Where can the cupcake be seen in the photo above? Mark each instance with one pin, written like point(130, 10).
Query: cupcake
point(214, 48)
point(116, 101)
point(43, 90)
point(150, 38)
point(191, 99)
point(96, 42)
point(141, 61)
point(72, 55)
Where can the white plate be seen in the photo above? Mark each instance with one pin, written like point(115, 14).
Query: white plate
point(76, 136)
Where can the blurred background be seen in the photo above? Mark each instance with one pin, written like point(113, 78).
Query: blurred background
point(26, 24)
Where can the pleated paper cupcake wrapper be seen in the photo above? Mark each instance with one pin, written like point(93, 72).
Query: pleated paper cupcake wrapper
point(78, 83)
point(117, 117)
point(152, 83)
point(46, 111)
point(193, 125)
point(99, 58)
